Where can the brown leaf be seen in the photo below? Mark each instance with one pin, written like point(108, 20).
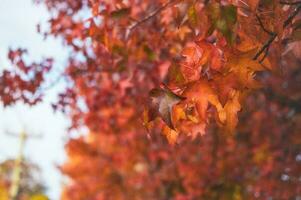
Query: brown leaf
point(162, 102)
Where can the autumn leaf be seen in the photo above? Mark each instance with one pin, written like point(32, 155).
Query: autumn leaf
point(175, 75)
point(245, 68)
point(201, 95)
point(170, 134)
point(244, 42)
point(231, 108)
point(162, 101)
point(211, 55)
point(187, 120)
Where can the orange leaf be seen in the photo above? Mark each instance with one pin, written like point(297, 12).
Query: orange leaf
point(170, 134)
point(232, 107)
point(202, 95)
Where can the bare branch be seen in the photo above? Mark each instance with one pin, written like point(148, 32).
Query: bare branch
point(148, 17)
point(266, 52)
point(274, 35)
point(265, 46)
point(262, 26)
point(291, 16)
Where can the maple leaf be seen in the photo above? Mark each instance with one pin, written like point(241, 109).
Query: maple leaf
point(201, 95)
point(211, 54)
point(190, 115)
point(244, 68)
point(187, 121)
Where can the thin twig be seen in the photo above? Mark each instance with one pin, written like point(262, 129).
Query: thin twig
point(274, 35)
point(265, 46)
point(291, 16)
point(262, 26)
point(148, 17)
point(266, 52)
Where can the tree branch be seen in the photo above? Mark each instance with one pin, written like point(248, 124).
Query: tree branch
point(148, 17)
point(274, 35)
point(262, 26)
point(291, 16)
point(265, 46)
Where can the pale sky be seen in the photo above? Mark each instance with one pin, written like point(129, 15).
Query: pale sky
point(18, 19)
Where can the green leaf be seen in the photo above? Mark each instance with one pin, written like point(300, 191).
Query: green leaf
point(162, 102)
point(224, 19)
point(228, 21)
point(229, 13)
point(120, 13)
point(221, 25)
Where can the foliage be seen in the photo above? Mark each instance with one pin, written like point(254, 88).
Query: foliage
point(225, 73)
point(31, 186)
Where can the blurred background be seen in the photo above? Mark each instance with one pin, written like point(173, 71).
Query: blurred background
point(116, 158)
point(19, 19)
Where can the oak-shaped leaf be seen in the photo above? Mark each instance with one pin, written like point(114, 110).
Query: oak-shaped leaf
point(163, 99)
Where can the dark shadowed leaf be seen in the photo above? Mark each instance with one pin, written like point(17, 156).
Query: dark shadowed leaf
point(175, 75)
point(163, 101)
point(229, 13)
point(229, 17)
